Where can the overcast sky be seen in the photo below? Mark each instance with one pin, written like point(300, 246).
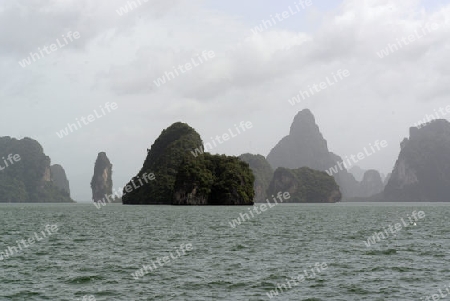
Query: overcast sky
point(117, 58)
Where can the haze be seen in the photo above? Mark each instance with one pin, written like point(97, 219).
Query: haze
point(118, 56)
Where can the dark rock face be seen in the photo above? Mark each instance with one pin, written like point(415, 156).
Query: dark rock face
point(213, 180)
point(59, 178)
point(163, 160)
point(371, 184)
point(305, 185)
point(422, 170)
point(347, 183)
point(306, 147)
point(263, 173)
point(184, 176)
point(101, 182)
point(27, 179)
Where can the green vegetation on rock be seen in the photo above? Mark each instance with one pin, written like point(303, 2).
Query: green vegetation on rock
point(163, 159)
point(214, 180)
point(262, 171)
point(184, 179)
point(305, 185)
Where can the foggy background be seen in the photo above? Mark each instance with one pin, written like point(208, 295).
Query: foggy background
point(117, 58)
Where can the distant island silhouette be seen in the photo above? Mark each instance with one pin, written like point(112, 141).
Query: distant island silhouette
point(300, 164)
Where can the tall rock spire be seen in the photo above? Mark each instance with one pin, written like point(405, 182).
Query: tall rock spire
point(306, 147)
point(101, 183)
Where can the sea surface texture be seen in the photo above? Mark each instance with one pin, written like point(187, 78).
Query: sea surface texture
point(95, 253)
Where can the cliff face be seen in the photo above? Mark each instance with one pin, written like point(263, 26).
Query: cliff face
point(101, 183)
point(422, 171)
point(306, 147)
point(371, 184)
point(263, 173)
point(386, 180)
point(213, 180)
point(305, 185)
point(25, 174)
point(183, 176)
point(59, 178)
point(163, 160)
point(357, 172)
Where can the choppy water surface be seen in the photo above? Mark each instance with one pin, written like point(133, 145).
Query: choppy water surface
point(94, 252)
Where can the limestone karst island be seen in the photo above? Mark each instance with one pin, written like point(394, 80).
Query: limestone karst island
point(173, 150)
point(299, 163)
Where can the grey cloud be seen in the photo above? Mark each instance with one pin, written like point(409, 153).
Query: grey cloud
point(27, 25)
